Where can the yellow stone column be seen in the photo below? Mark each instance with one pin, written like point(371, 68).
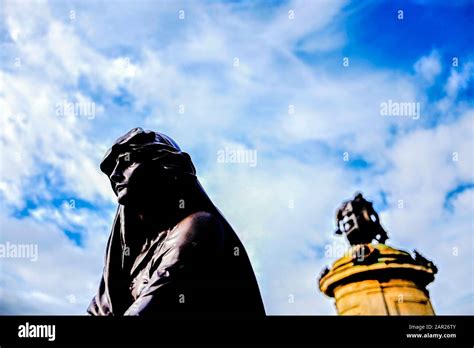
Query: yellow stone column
point(375, 279)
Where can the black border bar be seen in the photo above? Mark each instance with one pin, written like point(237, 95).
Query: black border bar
point(288, 330)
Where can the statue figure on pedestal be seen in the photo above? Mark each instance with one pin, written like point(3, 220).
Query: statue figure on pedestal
point(170, 250)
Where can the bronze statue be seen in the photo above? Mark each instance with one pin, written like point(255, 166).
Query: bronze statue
point(359, 221)
point(170, 250)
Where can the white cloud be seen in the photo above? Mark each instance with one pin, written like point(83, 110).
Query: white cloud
point(459, 80)
point(301, 19)
point(429, 67)
point(62, 269)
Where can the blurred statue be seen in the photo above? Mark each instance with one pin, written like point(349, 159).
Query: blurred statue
point(170, 250)
point(358, 220)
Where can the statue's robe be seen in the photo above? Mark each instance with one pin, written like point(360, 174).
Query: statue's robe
point(198, 267)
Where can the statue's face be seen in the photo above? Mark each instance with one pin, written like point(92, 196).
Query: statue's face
point(130, 179)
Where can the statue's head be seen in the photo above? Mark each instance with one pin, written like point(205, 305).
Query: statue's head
point(144, 166)
point(358, 220)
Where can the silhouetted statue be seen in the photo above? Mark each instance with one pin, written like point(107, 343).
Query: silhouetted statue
point(358, 220)
point(170, 250)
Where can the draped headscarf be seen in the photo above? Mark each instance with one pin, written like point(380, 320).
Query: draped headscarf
point(151, 145)
point(148, 145)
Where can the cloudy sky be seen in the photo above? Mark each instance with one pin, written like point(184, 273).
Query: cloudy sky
point(302, 83)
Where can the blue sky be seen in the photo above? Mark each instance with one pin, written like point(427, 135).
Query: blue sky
point(258, 76)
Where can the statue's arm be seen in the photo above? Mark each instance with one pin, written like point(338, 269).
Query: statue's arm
point(99, 304)
point(186, 255)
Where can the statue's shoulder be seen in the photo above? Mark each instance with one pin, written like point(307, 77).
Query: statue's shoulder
point(199, 218)
point(197, 227)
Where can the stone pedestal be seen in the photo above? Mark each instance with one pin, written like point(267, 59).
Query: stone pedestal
point(379, 280)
